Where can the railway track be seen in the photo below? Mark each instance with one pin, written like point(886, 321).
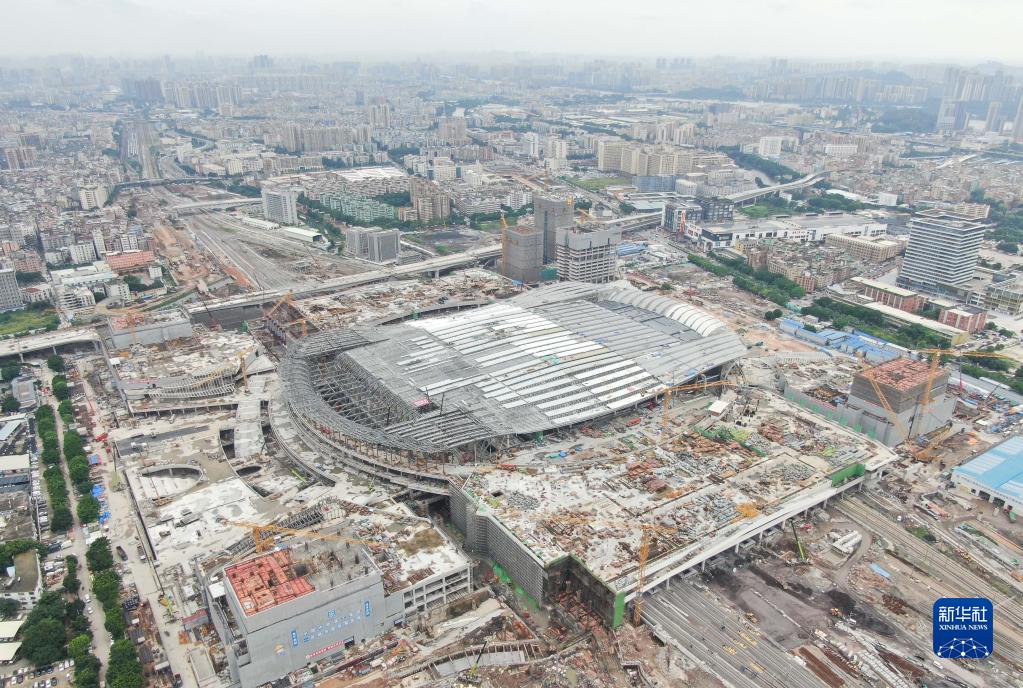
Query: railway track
point(950, 578)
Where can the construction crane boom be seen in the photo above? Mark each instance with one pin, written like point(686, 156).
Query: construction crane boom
point(263, 534)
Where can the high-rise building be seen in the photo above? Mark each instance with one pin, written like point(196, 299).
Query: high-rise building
point(952, 116)
point(452, 130)
point(380, 115)
point(588, 255)
point(993, 123)
point(10, 295)
point(769, 146)
point(942, 253)
point(374, 244)
point(550, 215)
point(531, 144)
point(92, 196)
point(281, 205)
point(522, 256)
point(429, 201)
point(1017, 124)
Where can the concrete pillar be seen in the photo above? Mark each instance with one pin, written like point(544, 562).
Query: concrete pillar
point(703, 565)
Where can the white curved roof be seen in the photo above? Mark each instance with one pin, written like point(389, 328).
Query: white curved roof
point(690, 316)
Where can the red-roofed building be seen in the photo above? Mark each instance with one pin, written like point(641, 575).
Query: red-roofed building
point(129, 260)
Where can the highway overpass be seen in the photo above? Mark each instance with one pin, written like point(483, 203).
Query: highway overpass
point(48, 341)
point(749, 197)
point(233, 310)
point(202, 206)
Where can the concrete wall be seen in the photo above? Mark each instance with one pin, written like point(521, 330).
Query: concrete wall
point(317, 626)
point(155, 333)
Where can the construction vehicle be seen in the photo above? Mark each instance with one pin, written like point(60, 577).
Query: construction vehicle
point(799, 544)
point(476, 663)
point(264, 534)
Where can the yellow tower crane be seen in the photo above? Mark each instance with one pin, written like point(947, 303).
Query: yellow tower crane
point(263, 534)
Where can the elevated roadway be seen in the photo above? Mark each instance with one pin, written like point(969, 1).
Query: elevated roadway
point(48, 341)
point(235, 309)
point(752, 195)
point(202, 206)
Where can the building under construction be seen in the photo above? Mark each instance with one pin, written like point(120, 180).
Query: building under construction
point(403, 400)
point(899, 399)
point(312, 599)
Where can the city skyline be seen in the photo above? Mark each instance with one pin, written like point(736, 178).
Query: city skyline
point(848, 29)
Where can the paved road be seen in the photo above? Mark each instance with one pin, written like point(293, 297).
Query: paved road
point(949, 578)
point(100, 636)
point(729, 646)
point(125, 530)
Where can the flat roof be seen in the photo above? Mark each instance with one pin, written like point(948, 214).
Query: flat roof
point(999, 468)
point(913, 319)
point(367, 173)
point(9, 629)
point(7, 651)
point(15, 462)
point(890, 288)
point(901, 373)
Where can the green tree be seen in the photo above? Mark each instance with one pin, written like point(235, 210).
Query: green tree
point(106, 586)
point(60, 519)
point(55, 363)
point(114, 623)
point(71, 583)
point(60, 389)
point(88, 509)
point(78, 469)
point(12, 548)
point(98, 556)
point(9, 372)
point(73, 444)
point(86, 676)
point(10, 404)
point(1008, 247)
point(42, 643)
point(9, 607)
point(79, 646)
point(124, 669)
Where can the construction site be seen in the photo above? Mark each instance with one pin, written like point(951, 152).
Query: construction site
point(456, 481)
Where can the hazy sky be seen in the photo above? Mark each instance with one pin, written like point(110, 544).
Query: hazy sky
point(920, 30)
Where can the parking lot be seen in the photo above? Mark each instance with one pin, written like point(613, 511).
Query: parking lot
point(59, 674)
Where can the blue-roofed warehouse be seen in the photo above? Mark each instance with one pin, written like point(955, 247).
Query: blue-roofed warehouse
point(996, 475)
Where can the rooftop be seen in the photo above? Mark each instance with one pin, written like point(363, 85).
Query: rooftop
point(546, 358)
point(890, 288)
point(267, 581)
point(902, 374)
point(999, 468)
point(700, 484)
point(14, 462)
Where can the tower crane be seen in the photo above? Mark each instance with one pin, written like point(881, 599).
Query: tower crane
point(748, 510)
point(912, 430)
point(263, 534)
